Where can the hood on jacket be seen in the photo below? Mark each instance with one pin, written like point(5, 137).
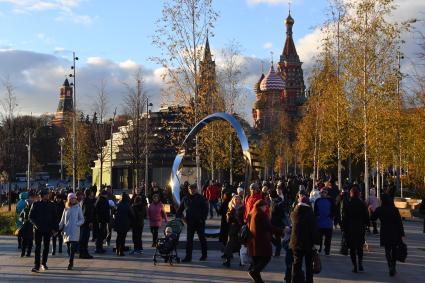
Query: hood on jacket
point(23, 195)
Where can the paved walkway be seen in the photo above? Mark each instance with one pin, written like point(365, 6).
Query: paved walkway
point(140, 268)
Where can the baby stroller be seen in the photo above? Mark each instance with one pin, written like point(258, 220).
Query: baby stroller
point(167, 247)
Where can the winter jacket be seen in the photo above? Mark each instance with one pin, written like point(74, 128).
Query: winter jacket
point(138, 212)
point(373, 203)
point(43, 216)
point(324, 210)
point(123, 217)
point(72, 219)
point(102, 210)
point(249, 204)
point(261, 230)
point(87, 207)
point(20, 206)
point(354, 222)
point(213, 193)
point(196, 209)
point(278, 212)
point(26, 230)
point(391, 225)
point(156, 213)
point(60, 206)
point(304, 233)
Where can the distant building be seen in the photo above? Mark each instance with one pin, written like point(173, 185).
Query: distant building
point(280, 91)
point(65, 108)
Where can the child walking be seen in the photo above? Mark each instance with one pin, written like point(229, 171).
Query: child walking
point(156, 214)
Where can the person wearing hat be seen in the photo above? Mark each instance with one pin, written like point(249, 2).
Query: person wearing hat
point(43, 217)
point(324, 210)
point(303, 240)
point(259, 242)
point(72, 219)
point(240, 191)
point(255, 195)
point(195, 207)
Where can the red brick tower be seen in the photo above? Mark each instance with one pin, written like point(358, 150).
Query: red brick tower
point(65, 107)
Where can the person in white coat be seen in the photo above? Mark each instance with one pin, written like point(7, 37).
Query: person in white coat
point(72, 219)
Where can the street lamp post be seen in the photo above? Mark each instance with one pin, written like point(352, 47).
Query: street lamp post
point(110, 153)
point(146, 145)
point(29, 160)
point(61, 142)
point(74, 132)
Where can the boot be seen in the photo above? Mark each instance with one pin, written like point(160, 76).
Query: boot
point(354, 261)
point(121, 251)
point(361, 264)
point(70, 265)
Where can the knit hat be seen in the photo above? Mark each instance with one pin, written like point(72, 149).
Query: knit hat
point(72, 196)
point(239, 190)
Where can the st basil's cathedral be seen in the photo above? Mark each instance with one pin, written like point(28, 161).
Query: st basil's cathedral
point(282, 91)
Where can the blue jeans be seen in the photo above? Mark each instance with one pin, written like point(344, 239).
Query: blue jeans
point(213, 204)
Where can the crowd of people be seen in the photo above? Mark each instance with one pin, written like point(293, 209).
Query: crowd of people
point(262, 219)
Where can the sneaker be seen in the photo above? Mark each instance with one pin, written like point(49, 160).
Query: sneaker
point(28, 255)
point(70, 267)
point(44, 267)
point(253, 276)
point(35, 269)
point(203, 258)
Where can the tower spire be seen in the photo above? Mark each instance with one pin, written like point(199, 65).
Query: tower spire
point(207, 50)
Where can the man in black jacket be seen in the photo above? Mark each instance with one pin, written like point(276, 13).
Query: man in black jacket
point(303, 240)
point(43, 217)
point(102, 212)
point(196, 209)
point(88, 212)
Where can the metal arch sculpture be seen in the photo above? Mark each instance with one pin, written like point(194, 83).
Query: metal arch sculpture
point(175, 172)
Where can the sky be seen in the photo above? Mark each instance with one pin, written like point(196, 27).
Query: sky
point(113, 39)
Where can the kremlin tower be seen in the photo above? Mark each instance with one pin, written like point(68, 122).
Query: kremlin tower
point(65, 107)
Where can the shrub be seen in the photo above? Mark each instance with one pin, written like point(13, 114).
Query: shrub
point(7, 222)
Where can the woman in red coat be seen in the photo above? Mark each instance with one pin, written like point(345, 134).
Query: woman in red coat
point(259, 241)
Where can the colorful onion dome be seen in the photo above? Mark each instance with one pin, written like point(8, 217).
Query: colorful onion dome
point(272, 81)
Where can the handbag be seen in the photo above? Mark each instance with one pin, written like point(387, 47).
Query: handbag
point(245, 259)
point(317, 264)
point(401, 252)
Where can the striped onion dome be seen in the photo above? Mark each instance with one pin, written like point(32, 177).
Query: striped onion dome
point(272, 81)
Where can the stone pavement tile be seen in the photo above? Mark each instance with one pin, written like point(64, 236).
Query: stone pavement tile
point(140, 268)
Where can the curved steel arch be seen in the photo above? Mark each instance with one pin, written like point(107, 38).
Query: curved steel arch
point(175, 172)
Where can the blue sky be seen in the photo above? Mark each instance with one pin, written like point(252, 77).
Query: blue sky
point(121, 30)
point(113, 39)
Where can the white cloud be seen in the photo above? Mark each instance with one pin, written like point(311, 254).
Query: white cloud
point(65, 9)
point(128, 64)
point(37, 78)
point(268, 45)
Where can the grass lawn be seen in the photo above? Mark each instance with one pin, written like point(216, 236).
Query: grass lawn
point(7, 221)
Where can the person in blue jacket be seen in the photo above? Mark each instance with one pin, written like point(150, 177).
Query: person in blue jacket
point(19, 208)
point(324, 210)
